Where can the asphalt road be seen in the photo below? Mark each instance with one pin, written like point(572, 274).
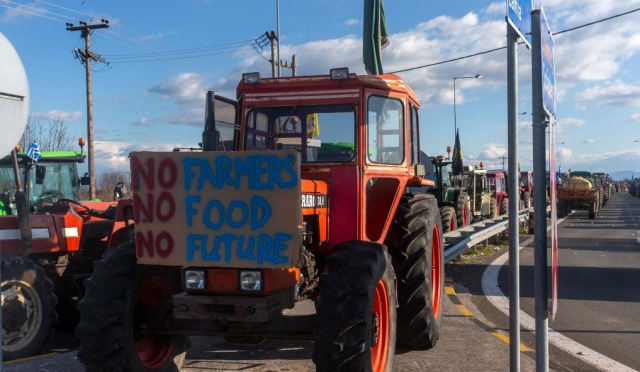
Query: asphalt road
point(599, 281)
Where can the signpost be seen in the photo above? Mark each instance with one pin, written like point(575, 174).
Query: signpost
point(543, 83)
point(518, 26)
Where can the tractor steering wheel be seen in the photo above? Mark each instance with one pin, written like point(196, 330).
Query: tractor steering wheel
point(71, 201)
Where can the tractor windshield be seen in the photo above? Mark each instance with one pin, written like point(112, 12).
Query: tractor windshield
point(321, 133)
point(48, 182)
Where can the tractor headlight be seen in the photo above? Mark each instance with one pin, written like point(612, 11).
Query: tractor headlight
point(341, 73)
point(251, 78)
point(194, 279)
point(250, 281)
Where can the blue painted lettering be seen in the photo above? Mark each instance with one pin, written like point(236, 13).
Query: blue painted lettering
point(191, 211)
point(246, 253)
point(279, 247)
point(259, 207)
point(207, 215)
point(244, 214)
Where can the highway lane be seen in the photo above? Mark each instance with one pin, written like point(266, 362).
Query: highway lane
point(599, 280)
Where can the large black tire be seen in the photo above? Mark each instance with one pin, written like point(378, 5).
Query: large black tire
point(504, 207)
point(111, 312)
point(463, 213)
point(448, 217)
point(561, 210)
point(357, 299)
point(416, 245)
point(28, 307)
point(592, 211)
point(493, 208)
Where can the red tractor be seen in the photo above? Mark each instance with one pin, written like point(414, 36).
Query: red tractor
point(42, 279)
point(310, 205)
point(498, 187)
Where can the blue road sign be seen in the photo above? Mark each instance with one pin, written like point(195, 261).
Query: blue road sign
point(548, 66)
point(519, 17)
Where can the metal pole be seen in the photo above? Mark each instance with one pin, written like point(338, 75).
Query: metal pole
point(274, 69)
point(455, 119)
point(539, 196)
point(294, 65)
point(92, 169)
point(514, 174)
point(278, 26)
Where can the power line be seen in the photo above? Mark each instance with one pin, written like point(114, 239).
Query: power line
point(67, 9)
point(178, 51)
point(185, 57)
point(32, 13)
point(504, 47)
point(39, 9)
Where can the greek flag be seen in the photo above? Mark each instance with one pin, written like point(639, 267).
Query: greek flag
point(34, 151)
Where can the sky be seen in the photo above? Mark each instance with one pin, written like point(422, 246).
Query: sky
point(164, 55)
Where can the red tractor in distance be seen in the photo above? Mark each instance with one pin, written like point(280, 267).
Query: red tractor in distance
point(42, 283)
point(299, 193)
point(498, 187)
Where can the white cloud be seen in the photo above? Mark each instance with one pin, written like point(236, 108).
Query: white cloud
point(563, 154)
point(65, 116)
point(114, 155)
point(613, 94)
point(351, 22)
point(188, 91)
point(492, 151)
point(17, 11)
point(589, 142)
point(144, 121)
point(635, 117)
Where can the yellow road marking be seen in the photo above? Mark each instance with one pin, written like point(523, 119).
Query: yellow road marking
point(504, 338)
point(449, 290)
point(30, 358)
point(464, 311)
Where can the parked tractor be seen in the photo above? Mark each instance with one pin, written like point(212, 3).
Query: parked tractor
point(498, 186)
point(579, 192)
point(454, 202)
point(226, 240)
point(42, 279)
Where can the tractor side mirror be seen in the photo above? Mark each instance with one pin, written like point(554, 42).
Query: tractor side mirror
point(41, 173)
point(119, 191)
point(85, 180)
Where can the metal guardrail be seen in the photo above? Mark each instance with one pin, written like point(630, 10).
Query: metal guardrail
point(461, 240)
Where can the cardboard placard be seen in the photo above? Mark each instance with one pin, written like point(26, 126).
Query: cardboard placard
point(222, 209)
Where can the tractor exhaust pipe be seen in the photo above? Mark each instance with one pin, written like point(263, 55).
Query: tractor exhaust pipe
point(22, 206)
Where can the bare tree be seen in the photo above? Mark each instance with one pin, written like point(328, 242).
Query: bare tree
point(107, 182)
point(50, 136)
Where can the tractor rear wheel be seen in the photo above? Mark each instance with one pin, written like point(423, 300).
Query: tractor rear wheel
point(448, 217)
point(356, 310)
point(28, 307)
point(121, 299)
point(416, 244)
point(463, 213)
point(504, 207)
point(493, 208)
point(592, 211)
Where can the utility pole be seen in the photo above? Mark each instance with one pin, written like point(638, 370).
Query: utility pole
point(274, 63)
point(504, 159)
point(293, 66)
point(86, 56)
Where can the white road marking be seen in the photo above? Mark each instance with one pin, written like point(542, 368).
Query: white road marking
point(493, 292)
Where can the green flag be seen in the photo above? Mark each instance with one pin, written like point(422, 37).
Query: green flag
point(375, 36)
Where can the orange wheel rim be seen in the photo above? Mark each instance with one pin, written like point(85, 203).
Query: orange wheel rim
point(153, 352)
point(436, 272)
point(379, 351)
point(452, 225)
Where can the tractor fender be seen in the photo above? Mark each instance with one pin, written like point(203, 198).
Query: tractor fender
point(443, 204)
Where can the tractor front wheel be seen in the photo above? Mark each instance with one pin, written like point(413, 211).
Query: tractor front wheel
point(463, 212)
point(416, 244)
point(448, 217)
point(493, 208)
point(356, 310)
point(122, 300)
point(28, 307)
point(504, 207)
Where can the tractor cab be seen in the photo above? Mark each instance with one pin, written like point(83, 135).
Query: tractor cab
point(53, 177)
